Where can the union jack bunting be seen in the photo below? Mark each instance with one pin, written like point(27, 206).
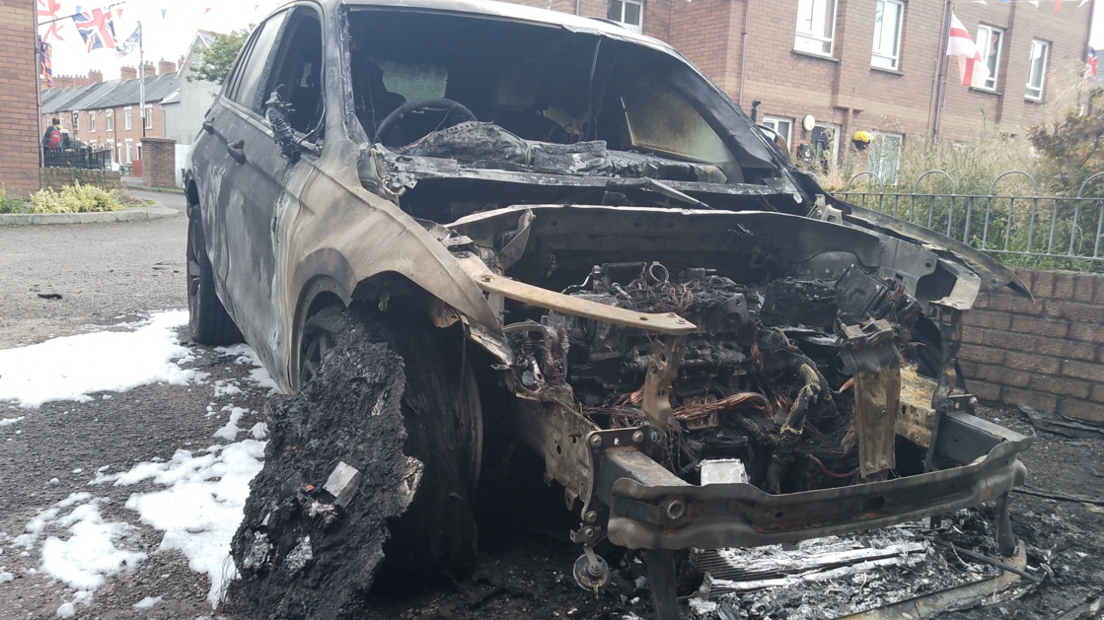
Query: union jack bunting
point(96, 28)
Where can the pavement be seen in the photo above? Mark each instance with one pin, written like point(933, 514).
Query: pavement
point(161, 209)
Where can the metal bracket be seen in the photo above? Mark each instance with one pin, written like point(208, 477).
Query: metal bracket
point(950, 329)
point(870, 353)
point(662, 370)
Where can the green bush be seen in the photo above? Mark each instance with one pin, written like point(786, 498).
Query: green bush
point(11, 203)
point(75, 198)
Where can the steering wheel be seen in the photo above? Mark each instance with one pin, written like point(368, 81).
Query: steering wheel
point(452, 109)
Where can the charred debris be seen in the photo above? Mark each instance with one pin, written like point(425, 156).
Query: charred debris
point(765, 380)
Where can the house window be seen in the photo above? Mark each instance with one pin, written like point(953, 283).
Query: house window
point(629, 13)
point(989, 43)
point(885, 155)
point(126, 122)
point(129, 150)
point(149, 118)
point(781, 126)
point(1036, 70)
point(110, 114)
point(816, 26)
point(91, 122)
point(76, 122)
point(887, 34)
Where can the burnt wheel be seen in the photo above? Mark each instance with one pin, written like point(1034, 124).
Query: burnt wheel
point(444, 424)
point(207, 317)
point(318, 339)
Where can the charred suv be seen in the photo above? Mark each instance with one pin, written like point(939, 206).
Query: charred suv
point(704, 347)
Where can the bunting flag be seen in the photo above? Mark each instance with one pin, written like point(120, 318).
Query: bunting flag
point(46, 63)
point(53, 32)
point(970, 64)
point(1057, 5)
point(48, 8)
point(131, 44)
point(96, 28)
point(163, 12)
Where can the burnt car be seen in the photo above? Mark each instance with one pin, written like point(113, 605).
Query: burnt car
point(705, 348)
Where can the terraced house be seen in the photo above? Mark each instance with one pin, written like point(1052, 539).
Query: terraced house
point(107, 115)
point(824, 69)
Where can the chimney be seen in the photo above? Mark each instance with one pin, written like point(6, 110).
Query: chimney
point(148, 69)
point(80, 80)
point(128, 73)
point(95, 77)
point(165, 66)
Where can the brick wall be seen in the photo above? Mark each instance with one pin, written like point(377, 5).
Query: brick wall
point(159, 162)
point(1048, 354)
point(19, 134)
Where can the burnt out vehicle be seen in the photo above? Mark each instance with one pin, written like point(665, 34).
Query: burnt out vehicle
point(704, 347)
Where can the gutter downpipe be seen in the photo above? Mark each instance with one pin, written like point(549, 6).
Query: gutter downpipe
point(939, 91)
point(743, 53)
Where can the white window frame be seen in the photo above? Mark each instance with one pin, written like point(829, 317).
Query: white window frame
point(887, 57)
point(1034, 92)
point(775, 121)
point(149, 117)
point(76, 121)
point(806, 37)
point(985, 33)
point(91, 122)
point(619, 15)
point(129, 151)
point(110, 116)
point(126, 120)
point(877, 162)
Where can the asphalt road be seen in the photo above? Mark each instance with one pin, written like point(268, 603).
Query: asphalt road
point(106, 274)
point(103, 272)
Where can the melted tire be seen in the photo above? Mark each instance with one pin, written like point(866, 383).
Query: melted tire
point(384, 402)
point(208, 320)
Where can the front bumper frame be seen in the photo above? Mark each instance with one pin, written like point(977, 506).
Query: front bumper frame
point(650, 508)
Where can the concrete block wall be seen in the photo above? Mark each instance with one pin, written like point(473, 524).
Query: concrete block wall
point(1048, 354)
point(60, 177)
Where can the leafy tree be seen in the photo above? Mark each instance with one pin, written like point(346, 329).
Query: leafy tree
point(215, 62)
point(1072, 150)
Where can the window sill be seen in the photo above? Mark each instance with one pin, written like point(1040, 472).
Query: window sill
point(987, 91)
point(884, 70)
point(1034, 100)
point(815, 55)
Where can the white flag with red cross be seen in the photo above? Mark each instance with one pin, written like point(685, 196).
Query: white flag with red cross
point(970, 62)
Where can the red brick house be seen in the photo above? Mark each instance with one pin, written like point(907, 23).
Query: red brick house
point(873, 65)
point(106, 115)
point(19, 130)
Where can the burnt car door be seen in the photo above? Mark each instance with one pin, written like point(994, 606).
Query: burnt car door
point(271, 136)
point(214, 161)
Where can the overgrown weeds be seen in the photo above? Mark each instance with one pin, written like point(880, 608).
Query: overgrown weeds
point(11, 203)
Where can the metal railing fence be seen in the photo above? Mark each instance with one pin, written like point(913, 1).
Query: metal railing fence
point(1032, 225)
point(83, 158)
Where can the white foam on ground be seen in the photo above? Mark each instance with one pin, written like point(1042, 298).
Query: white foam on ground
point(202, 506)
point(231, 430)
point(259, 376)
point(71, 367)
point(147, 602)
point(89, 554)
point(9, 421)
